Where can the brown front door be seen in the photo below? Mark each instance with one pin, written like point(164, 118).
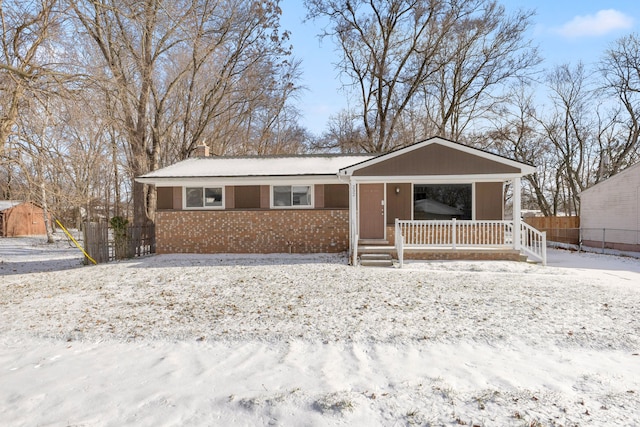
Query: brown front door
point(372, 211)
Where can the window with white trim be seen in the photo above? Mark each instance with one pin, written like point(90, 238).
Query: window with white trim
point(291, 196)
point(203, 197)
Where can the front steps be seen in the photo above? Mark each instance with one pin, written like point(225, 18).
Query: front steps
point(376, 253)
point(379, 253)
point(376, 260)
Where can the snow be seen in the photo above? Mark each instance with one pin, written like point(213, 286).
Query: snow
point(274, 166)
point(307, 340)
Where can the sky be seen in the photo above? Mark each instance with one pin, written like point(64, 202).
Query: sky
point(564, 30)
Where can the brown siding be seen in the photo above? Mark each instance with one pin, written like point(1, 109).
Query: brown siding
point(399, 205)
point(177, 198)
point(265, 197)
point(229, 197)
point(255, 231)
point(247, 197)
point(435, 159)
point(318, 196)
point(336, 196)
point(165, 197)
point(489, 200)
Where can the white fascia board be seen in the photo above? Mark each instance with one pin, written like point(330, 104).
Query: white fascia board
point(249, 180)
point(437, 179)
point(526, 169)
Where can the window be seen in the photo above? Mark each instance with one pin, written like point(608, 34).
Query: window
point(442, 201)
point(203, 197)
point(291, 195)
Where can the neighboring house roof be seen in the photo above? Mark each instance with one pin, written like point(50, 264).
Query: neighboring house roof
point(8, 204)
point(233, 167)
point(614, 178)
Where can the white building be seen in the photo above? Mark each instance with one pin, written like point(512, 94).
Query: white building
point(610, 212)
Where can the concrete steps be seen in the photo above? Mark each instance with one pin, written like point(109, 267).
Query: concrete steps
point(375, 253)
point(376, 260)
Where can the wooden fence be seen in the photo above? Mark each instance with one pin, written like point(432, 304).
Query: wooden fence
point(103, 245)
point(561, 229)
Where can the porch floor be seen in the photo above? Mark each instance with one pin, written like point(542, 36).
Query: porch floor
point(442, 253)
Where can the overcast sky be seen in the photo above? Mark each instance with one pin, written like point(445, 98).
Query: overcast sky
point(565, 31)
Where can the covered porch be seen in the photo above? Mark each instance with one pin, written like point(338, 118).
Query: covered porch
point(439, 200)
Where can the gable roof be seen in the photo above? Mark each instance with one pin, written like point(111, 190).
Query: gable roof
point(254, 166)
point(8, 204)
point(433, 157)
point(437, 156)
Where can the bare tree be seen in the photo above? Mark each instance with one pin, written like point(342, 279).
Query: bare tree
point(132, 37)
point(570, 126)
point(620, 70)
point(386, 51)
point(484, 52)
point(25, 65)
point(155, 52)
point(450, 53)
point(517, 134)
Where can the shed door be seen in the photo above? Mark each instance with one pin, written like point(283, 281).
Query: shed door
point(372, 211)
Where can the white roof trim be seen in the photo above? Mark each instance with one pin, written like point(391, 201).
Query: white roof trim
point(243, 180)
point(526, 169)
point(437, 178)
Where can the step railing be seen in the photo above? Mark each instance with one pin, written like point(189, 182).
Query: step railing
point(533, 243)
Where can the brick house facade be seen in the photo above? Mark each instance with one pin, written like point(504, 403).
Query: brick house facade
point(322, 203)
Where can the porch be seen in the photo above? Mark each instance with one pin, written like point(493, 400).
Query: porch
point(453, 239)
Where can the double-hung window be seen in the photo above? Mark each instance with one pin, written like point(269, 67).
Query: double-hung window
point(291, 196)
point(203, 197)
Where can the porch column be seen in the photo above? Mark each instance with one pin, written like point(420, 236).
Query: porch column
point(353, 207)
point(517, 201)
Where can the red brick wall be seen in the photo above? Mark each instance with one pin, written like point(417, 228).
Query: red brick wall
point(253, 231)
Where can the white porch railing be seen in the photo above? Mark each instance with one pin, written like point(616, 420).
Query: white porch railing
point(533, 243)
point(456, 234)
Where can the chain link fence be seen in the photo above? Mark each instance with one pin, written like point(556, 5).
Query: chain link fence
point(610, 238)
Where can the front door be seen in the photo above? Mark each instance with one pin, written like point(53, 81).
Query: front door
point(371, 211)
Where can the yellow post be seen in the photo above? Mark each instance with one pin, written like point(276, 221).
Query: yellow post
point(77, 244)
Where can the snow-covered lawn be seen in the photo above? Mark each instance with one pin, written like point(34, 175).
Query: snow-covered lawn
point(307, 340)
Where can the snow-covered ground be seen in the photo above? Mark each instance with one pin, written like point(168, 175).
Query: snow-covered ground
point(307, 340)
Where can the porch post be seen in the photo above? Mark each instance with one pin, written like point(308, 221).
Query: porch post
point(517, 201)
point(353, 223)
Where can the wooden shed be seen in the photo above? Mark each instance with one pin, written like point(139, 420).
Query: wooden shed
point(18, 218)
